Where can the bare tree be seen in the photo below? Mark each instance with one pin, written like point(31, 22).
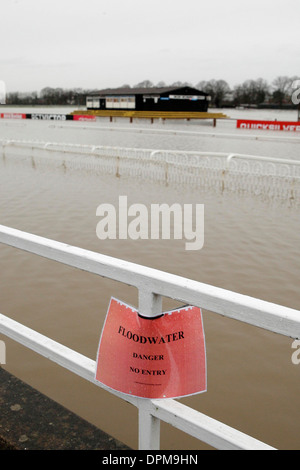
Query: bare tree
point(144, 84)
point(181, 84)
point(281, 86)
point(262, 90)
point(217, 89)
point(251, 92)
point(161, 84)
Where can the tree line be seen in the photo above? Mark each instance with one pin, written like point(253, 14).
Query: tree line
point(49, 96)
point(250, 93)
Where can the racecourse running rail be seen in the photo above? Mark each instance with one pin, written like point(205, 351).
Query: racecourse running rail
point(276, 178)
point(152, 286)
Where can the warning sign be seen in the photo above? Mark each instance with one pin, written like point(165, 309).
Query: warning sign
point(161, 357)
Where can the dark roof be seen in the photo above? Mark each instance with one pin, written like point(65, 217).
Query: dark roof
point(147, 91)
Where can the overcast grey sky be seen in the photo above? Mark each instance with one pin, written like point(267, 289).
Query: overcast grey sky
point(107, 43)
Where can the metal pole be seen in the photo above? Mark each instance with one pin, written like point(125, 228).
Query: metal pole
point(150, 305)
point(149, 427)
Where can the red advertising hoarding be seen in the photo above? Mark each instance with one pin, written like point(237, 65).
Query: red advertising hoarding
point(269, 125)
point(46, 116)
point(79, 117)
point(161, 357)
point(13, 116)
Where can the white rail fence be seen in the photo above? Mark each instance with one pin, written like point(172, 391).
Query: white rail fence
point(248, 135)
point(152, 286)
point(278, 178)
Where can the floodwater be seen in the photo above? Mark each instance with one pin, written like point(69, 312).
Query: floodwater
point(251, 246)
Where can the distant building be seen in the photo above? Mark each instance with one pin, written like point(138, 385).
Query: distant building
point(149, 99)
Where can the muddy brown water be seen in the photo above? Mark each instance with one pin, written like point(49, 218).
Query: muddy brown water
point(251, 246)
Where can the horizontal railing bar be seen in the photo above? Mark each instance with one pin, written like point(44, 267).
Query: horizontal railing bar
point(49, 146)
point(263, 314)
point(204, 428)
point(190, 421)
point(56, 352)
point(135, 152)
point(262, 159)
point(239, 136)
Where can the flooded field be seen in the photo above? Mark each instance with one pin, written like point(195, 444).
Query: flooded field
point(251, 246)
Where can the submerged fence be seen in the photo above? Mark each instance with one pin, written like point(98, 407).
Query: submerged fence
point(276, 178)
point(152, 286)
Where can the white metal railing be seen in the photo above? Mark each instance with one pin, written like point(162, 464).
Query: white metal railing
point(152, 285)
point(276, 178)
point(176, 131)
point(172, 162)
point(171, 156)
point(260, 158)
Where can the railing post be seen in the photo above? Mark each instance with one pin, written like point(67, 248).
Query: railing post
point(149, 428)
point(150, 305)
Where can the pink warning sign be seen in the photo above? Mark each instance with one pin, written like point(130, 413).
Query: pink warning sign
point(161, 357)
